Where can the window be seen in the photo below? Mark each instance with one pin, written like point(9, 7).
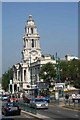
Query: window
point(32, 42)
point(31, 30)
point(25, 75)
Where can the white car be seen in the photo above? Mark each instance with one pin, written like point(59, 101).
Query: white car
point(5, 97)
point(39, 103)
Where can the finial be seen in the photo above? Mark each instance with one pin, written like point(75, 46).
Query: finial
point(30, 17)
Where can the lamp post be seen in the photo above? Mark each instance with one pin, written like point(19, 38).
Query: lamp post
point(30, 71)
point(58, 68)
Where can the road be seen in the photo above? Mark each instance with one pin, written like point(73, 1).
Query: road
point(53, 113)
point(23, 116)
point(59, 113)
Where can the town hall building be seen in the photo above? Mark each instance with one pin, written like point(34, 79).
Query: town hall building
point(26, 72)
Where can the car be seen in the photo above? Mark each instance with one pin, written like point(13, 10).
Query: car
point(12, 98)
point(47, 98)
point(39, 103)
point(5, 97)
point(11, 108)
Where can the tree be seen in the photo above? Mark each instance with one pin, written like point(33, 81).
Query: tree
point(70, 71)
point(6, 78)
point(76, 83)
point(47, 72)
point(63, 70)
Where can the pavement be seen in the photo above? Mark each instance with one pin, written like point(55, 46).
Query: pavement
point(61, 104)
point(68, 105)
point(38, 116)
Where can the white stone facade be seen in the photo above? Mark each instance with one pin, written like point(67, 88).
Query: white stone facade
point(31, 58)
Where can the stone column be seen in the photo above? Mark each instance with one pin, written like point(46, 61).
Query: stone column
point(12, 88)
point(35, 30)
point(29, 43)
point(37, 77)
point(30, 30)
point(37, 43)
point(27, 30)
point(26, 74)
point(17, 87)
point(17, 74)
point(9, 88)
point(14, 75)
point(23, 74)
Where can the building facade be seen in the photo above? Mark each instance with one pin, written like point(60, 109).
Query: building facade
point(26, 73)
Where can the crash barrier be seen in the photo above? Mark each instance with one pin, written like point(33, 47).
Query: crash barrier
point(27, 107)
point(72, 103)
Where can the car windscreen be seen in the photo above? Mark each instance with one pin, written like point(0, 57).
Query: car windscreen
point(39, 100)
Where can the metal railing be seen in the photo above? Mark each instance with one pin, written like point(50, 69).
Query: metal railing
point(27, 107)
point(75, 104)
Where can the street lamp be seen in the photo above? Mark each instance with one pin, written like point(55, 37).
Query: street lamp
point(30, 71)
point(58, 68)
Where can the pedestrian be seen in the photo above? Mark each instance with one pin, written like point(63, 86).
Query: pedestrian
point(67, 97)
point(73, 97)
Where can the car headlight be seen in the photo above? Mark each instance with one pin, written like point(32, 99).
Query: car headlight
point(38, 104)
point(46, 104)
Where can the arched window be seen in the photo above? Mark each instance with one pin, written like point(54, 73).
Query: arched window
point(31, 30)
point(32, 42)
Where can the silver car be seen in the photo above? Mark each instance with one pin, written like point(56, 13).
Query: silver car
point(39, 103)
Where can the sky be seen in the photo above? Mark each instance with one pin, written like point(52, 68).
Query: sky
point(40, 0)
point(57, 24)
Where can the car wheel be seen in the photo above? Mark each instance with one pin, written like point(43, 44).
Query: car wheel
point(19, 113)
point(5, 113)
point(2, 113)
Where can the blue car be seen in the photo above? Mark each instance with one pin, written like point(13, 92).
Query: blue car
point(47, 98)
point(11, 108)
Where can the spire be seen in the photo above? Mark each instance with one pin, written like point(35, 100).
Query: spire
point(30, 17)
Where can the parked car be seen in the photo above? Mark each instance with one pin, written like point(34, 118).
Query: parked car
point(11, 108)
point(5, 97)
point(38, 103)
point(12, 98)
point(47, 98)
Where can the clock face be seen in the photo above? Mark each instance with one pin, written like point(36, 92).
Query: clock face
point(34, 52)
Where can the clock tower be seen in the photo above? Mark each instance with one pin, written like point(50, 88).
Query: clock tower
point(31, 48)
point(23, 75)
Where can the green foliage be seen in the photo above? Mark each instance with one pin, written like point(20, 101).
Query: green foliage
point(70, 71)
point(47, 72)
point(77, 83)
point(5, 79)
